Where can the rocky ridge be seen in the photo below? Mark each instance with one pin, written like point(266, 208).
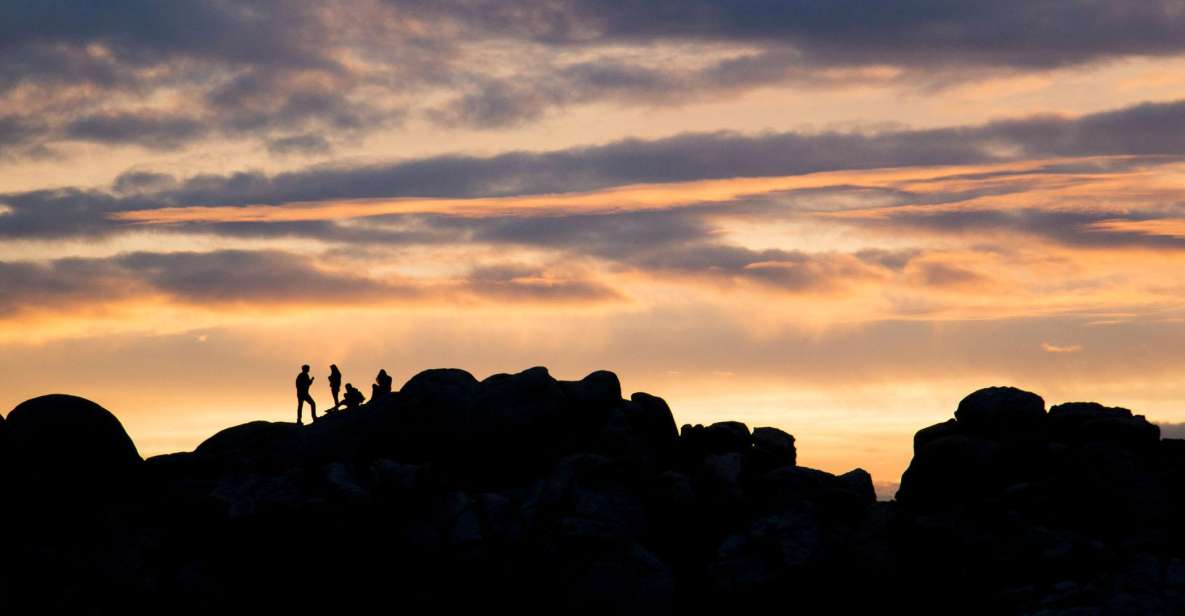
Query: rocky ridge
point(522, 492)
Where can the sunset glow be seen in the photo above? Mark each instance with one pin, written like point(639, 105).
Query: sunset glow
point(838, 230)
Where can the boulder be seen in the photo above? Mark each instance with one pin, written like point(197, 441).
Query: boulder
point(721, 477)
point(722, 437)
point(770, 553)
point(773, 447)
point(793, 488)
point(440, 387)
point(65, 443)
point(727, 436)
point(600, 388)
point(1001, 412)
point(858, 483)
point(652, 419)
point(256, 445)
point(1080, 422)
point(952, 470)
point(924, 436)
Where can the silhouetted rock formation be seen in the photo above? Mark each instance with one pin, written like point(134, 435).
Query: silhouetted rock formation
point(60, 443)
point(533, 495)
point(1080, 507)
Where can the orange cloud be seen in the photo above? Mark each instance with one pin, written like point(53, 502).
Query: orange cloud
point(617, 199)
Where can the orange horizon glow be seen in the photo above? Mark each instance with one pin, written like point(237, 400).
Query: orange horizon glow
point(181, 229)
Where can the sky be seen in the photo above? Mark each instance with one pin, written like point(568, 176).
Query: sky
point(834, 217)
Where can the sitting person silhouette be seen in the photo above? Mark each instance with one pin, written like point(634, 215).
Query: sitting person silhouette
point(303, 382)
point(335, 384)
point(353, 398)
point(381, 386)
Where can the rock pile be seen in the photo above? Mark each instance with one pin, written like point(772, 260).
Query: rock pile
point(524, 493)
point(1079, 508)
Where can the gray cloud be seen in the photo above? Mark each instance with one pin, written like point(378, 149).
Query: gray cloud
point(151, 131)
point(228, 276)
point(1014, 33)
point(269, 69)
point(514, 282)
point(935, 274)
point(49, 40)
point(299, 144)
point(62, 283)
point(217, 277)
point(934, 43)
point(263, 277)
point(1139, 132)
point(679, 242)
point(1066, 227)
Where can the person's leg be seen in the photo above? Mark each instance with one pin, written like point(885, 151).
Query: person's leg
point(312, 408)
point(299, 408)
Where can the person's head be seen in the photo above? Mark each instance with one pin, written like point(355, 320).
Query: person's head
point(333, 367)
point(304, 368)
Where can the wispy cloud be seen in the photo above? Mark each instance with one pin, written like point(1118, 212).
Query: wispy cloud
point(1054, 348)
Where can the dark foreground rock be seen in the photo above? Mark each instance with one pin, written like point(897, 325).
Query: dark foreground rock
point(526, 494)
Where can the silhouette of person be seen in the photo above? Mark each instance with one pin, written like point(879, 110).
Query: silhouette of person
point(303, 382)
point(382, 385)
point(353, 398)
point(335, 384)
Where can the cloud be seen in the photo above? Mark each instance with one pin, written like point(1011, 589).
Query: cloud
point(268, 69)
point(260, 276)
point(229, 278)
point(299, 144)
point(552, 178)
point(520, 283)
point(1134, 131)
point(1011, 33)
point(66, 40)
point(1060, 349)
point(149, 130)
point(945, 275)
point(16, 130)
point(201, 278)
point(1086, 229)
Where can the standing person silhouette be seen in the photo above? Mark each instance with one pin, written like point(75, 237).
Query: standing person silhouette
point(303, 382)
point(335, 384)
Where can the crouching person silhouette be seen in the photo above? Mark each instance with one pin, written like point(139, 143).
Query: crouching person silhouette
point(353, 398)
point(381, 386)
point(303, 383)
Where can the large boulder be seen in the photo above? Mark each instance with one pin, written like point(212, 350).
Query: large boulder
point(1081, 422)
point(66, 443)
point(502, 427)
point(600, 388)
point(256, 445)
point(773, 448)
point(952, 470)
point(696, 442)
point(1001, 412)
point(924, 436)
point(440, 387)
point(651, 419)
